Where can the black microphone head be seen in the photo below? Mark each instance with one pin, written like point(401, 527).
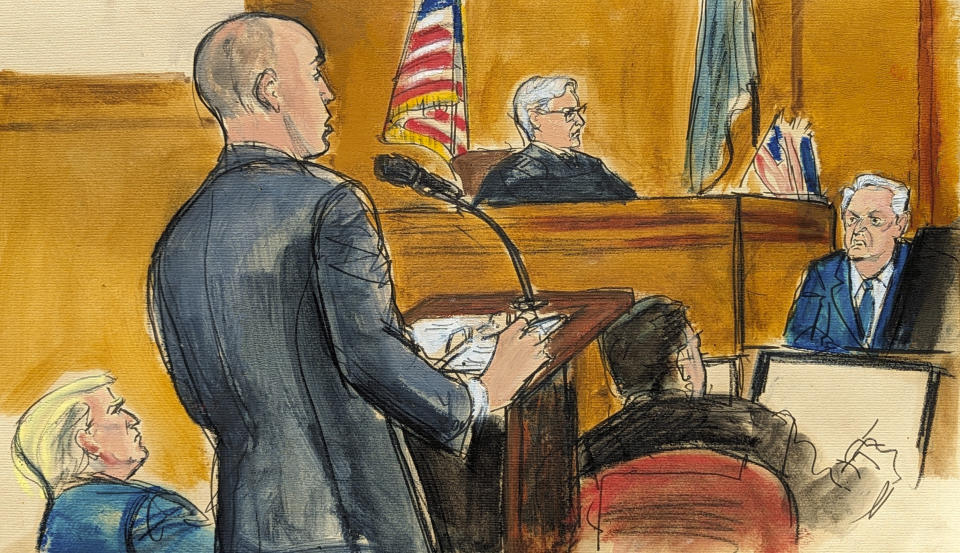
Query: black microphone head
point(396, 169)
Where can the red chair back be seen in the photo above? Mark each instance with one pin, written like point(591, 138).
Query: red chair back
point(686, 500)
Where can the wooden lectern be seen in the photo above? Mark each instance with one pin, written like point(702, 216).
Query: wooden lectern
point(540, 490)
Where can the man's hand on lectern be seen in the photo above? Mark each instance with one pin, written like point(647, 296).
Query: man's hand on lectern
point(519, 354)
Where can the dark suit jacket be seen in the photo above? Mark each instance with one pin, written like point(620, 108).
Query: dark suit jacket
point(925, 314)
point(671, 420)
point(536, 175)
point(272, 295)
point(823, 317)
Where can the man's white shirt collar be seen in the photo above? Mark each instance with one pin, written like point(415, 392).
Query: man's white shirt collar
point(856, 281)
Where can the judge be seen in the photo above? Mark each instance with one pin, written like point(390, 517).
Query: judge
point(551, 168)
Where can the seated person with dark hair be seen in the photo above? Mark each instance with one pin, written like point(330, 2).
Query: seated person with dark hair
point(652, 349)
point(648, 350)
point(550, 169)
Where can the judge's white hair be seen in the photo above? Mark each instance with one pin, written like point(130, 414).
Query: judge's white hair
point(536, 93)
point(899, 202)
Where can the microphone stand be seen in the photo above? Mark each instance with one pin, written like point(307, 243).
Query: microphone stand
point(528, 301)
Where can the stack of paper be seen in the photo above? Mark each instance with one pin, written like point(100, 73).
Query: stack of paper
point(466, 343)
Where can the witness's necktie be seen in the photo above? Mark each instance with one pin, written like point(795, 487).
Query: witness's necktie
point(866, 308)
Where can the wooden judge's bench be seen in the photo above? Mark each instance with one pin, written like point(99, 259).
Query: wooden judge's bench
point(734, 261)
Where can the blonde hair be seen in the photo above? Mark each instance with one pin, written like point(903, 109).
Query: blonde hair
point(45, 449)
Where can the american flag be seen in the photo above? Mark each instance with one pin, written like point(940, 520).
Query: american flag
point(429, 102)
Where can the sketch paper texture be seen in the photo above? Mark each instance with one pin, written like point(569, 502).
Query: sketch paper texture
point(839, 405)
point(722, 376)
point(624, 315)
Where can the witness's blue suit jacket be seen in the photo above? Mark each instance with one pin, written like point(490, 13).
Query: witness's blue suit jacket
point(823, 317)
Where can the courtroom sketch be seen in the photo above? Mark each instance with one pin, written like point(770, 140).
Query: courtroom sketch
point(82, 445)
point(374, 278)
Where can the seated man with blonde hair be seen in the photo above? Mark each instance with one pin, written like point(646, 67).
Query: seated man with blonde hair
point(81, 446)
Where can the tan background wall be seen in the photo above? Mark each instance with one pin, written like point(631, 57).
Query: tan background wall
point(105, 36)
point(92, 170)
point(859, 89)
point(851, 68)
point(633, 60)
point(945, 83)
point(93, 167)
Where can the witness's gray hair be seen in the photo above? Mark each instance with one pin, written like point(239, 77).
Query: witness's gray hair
point(536, 93)
point(900, 203)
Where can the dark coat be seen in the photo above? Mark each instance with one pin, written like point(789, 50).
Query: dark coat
point(925, 313)
point(537, 175)
point(823, 317)
point(273, 300)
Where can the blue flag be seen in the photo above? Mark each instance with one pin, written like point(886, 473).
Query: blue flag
point(726, 79)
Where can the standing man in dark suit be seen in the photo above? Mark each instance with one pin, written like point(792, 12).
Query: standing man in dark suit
point(551, 169)
point(847, 297)
point(273, 305)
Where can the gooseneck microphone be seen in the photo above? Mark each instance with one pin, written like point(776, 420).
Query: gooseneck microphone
point(402, 171)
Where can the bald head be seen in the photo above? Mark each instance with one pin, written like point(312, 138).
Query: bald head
point(233, 55)
point(260, 76)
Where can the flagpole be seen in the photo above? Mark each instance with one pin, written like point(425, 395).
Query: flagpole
point(463, 76)
point(403, 59)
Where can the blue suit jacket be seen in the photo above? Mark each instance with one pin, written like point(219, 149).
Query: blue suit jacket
point(823, 317)
point(104, 516)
